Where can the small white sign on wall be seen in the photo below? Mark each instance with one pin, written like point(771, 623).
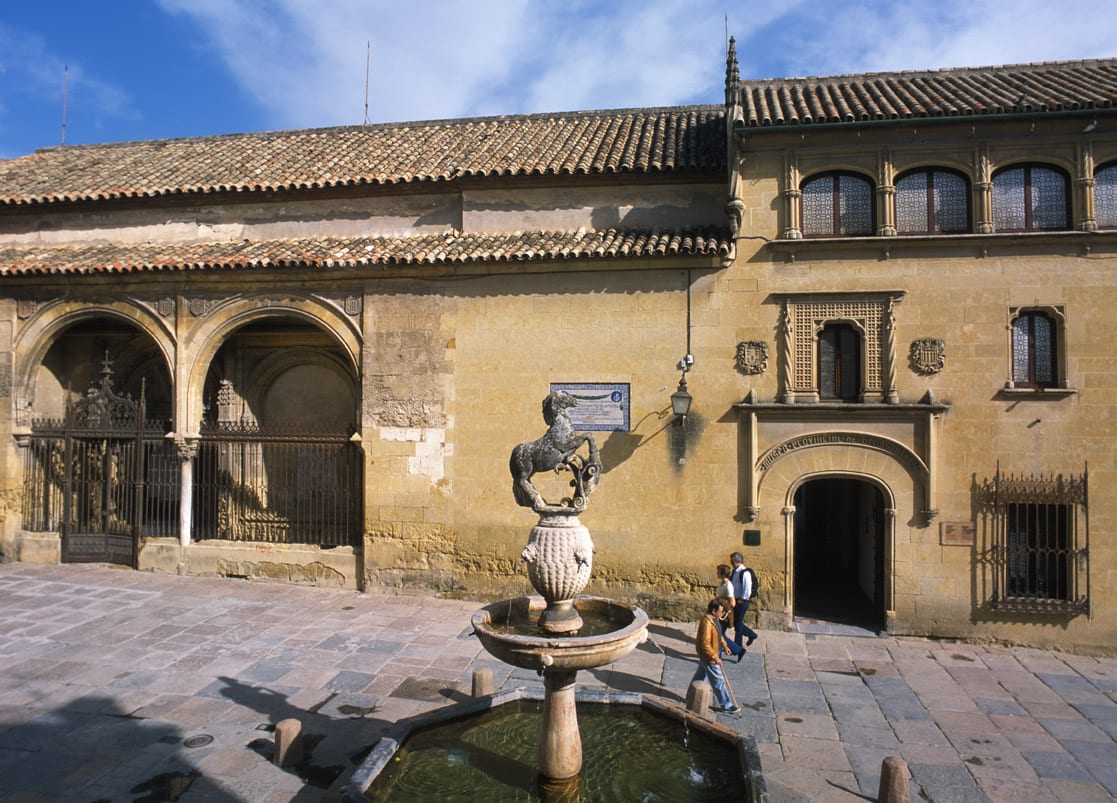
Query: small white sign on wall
point(602, 406)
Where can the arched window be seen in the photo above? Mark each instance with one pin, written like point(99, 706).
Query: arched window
point(839, 363)
point(1031, 198)
point(1105, 196)
point(932, 201)
point(837, 205)
point(1035, 350)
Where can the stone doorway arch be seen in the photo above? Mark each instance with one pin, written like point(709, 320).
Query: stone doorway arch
point(872, 461)
point(839, 543)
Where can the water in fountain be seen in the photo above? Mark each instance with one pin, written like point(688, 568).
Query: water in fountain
point(631, 754)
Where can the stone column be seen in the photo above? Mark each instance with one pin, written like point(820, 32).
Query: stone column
point(786, 349)
point(560, 743)
point(888, 354)
point(886, 196)
point(187, 450)
point(983, 196)
point(890, 575)
point(791, 195)
point(1086, 183)
point(788, 553)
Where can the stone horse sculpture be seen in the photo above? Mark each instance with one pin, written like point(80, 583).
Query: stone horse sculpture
point(556, 451)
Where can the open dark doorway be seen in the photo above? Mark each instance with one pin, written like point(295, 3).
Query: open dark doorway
point(839, 552)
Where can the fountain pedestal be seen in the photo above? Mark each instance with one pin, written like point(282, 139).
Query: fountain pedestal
point(560, 742)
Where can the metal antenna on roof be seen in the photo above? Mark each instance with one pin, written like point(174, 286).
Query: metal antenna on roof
point(368, 61)
point(65, 74)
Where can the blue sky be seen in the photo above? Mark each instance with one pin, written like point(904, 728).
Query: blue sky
point(152, 69)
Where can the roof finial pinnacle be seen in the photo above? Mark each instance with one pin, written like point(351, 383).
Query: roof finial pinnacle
point(732, 75)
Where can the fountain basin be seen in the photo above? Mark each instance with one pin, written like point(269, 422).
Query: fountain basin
point(378, 777)
point(508, 630)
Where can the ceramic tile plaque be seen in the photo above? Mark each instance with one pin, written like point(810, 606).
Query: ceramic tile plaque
point(602, 406)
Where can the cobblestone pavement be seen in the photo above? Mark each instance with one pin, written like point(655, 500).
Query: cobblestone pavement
point(118, 685)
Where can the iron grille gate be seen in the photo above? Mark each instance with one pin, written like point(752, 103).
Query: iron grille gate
point(277, 485)
point(101, 477)
point(1040, 542)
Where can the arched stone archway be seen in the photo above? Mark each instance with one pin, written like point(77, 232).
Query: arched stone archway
point(873, 465)
point(63, 346)
point(341, 337)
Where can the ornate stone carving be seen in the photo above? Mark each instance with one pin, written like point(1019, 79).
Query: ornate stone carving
point(559, 552)
point(352, 305)
point(165, 306)
point(559, 556)
point(200, 306)
point(556, 451)
point(928, 355)
point(806, 314)
point(25, 308)
point(752, 357)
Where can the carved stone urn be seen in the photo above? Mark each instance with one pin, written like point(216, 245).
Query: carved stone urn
point(559, 556)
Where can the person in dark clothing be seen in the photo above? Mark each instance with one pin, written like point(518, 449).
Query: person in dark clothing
point(742, 593)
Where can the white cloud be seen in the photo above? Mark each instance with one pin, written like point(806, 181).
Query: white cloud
point(304, 60)
point(828, 38)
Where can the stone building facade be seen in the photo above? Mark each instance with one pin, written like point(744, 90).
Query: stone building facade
point(306, 355)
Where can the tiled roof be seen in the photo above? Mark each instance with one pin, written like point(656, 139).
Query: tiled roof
point(1069, 86)
point(667, 140)
point(359, 252)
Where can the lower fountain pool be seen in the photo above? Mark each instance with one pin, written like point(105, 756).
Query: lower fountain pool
point(631, 754)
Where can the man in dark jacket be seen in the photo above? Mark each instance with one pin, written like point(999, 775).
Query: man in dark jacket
point(742, 591)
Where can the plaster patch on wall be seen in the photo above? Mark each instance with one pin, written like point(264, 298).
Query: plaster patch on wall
point(431, 450)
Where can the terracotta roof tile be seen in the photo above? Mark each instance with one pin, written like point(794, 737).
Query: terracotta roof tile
point(1047, 87)
point(320, 252)
point(666, 140)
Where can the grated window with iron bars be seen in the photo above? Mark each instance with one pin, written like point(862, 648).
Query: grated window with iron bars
point(1039, 540)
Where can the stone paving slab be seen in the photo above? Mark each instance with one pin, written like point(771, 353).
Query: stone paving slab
point(125, 686)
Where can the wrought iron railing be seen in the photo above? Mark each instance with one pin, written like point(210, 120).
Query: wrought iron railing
point(277, 485)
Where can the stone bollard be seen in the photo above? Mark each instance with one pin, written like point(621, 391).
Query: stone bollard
point(288, 745)
point(698, 698)
point(482, 682)
point(893, 781)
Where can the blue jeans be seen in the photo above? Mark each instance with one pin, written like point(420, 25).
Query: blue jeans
point(734, 647)
point(740, 629)
point(707, 670)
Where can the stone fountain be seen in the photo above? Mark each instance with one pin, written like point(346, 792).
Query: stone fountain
point(558, 632)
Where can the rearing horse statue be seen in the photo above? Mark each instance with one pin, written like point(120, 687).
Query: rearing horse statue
point(556, 451)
